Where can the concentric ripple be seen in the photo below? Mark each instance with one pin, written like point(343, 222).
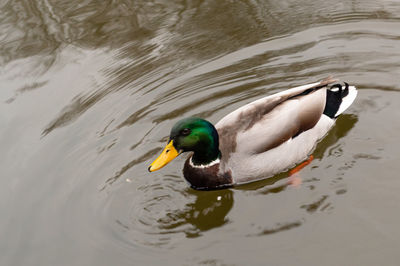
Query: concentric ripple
point(161, 215)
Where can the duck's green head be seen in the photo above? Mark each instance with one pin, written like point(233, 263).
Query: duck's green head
point(190, 134)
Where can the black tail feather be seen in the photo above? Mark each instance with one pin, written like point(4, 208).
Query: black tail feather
point(334, 99)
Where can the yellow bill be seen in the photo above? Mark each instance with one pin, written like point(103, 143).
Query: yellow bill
point(168, 154)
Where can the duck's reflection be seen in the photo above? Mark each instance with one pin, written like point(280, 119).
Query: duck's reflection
point(208, 211)
point(342, 127)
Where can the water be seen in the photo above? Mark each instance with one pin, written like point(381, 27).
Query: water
point(90, 89)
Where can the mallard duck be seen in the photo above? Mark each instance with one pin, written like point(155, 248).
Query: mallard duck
point(257, 140)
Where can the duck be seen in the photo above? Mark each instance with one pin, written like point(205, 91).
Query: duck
point(258, 140)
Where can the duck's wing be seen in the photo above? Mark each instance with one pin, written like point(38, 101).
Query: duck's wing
point(268, 122)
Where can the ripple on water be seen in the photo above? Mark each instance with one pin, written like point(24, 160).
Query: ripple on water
point(161, 214)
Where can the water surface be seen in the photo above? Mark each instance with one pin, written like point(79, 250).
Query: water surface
point(90, 89)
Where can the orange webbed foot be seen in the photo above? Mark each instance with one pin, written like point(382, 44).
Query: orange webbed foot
point(294, 178)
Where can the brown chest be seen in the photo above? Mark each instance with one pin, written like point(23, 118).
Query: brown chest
point(206, 178)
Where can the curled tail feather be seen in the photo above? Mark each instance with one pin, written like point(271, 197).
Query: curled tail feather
point(338, 99)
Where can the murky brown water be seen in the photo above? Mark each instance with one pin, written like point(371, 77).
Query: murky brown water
point(88, 93)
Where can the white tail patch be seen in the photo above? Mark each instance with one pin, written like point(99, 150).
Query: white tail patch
point(347, 101)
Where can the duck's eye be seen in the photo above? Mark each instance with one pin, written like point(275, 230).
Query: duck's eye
point(185, 131)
